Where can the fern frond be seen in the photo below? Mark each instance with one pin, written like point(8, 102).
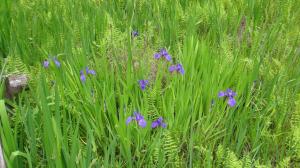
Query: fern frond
point(151, 104)
point(285, 163)
point(232, 161)
point(171, 149)
point(15, 66)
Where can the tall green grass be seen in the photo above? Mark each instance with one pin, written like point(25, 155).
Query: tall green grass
point(61, 122)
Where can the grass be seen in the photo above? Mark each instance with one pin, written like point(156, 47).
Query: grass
point(250, 46)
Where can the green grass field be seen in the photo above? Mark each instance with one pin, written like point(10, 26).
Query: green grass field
point(70, 117)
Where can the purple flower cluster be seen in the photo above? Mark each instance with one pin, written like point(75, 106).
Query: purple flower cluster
point(138, 118)
point(143, 84)
point(229, 94)
point(173, 68)
point(143, 123)
point(176, 68)
point(46, 62)
point(87, 72)
point(158, 122)
point(163, 54)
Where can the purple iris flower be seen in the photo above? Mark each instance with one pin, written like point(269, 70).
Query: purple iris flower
point(157, 55)
point(86, 72)
point(158, 122)
point(143, 84)
point(46, 64)
point(163, 53)
point(82, 76)
point(90, 71)
point(134, 33)
point(168, 57)
point(139, 119)
point(178, 68)
point(229, 94)
point(57, 63)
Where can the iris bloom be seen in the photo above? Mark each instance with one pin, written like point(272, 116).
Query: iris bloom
point(90, 71)
point(46, 64)
point(138, 118)
point(82, 76)
point(229, 94)
point(158, 122)
point(163, 53)
point(177, 68)
point(143, 84)
point(134, 33)
point(87, 72)
point(57, 63)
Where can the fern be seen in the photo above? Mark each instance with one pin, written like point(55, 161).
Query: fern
point(151, 102)
point(15, 66)
point(155, 155)
point(285, 163)
point(227, 158)
point(295, 123)
point(295, 119)
point(220, 155)
point(232, 161)
point(170, 147)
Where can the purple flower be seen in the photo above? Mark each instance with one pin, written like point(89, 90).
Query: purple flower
point(143, 84)
point(221, 94)
point(90, 71)
point(139, 119)
point(168, 57)
point(82, 76)
point(158, 122)
point(134, 33)
point(87, 72)
point(57, 63)
point(157, 55)
point(46, 64)
point(231, 102)
point(178, 68)
point(163, 53)
point(229, 94)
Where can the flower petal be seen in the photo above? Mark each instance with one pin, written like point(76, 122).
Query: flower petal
point(163, 52)
point(157, 55)
point(82, 78)
point(172, 68)
point(57, 63)
point(230, 93)
point(142, 123)
point(168, 57)
point(164, 125)
point(92, 72)
point(180, 68)
point(221, 94)
point(138, 116)
point(129, 119)
point(159, 120)
point(231, 102)
point(154, 124)
point(46, 64)
point(143, 84)
point(134, 33)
